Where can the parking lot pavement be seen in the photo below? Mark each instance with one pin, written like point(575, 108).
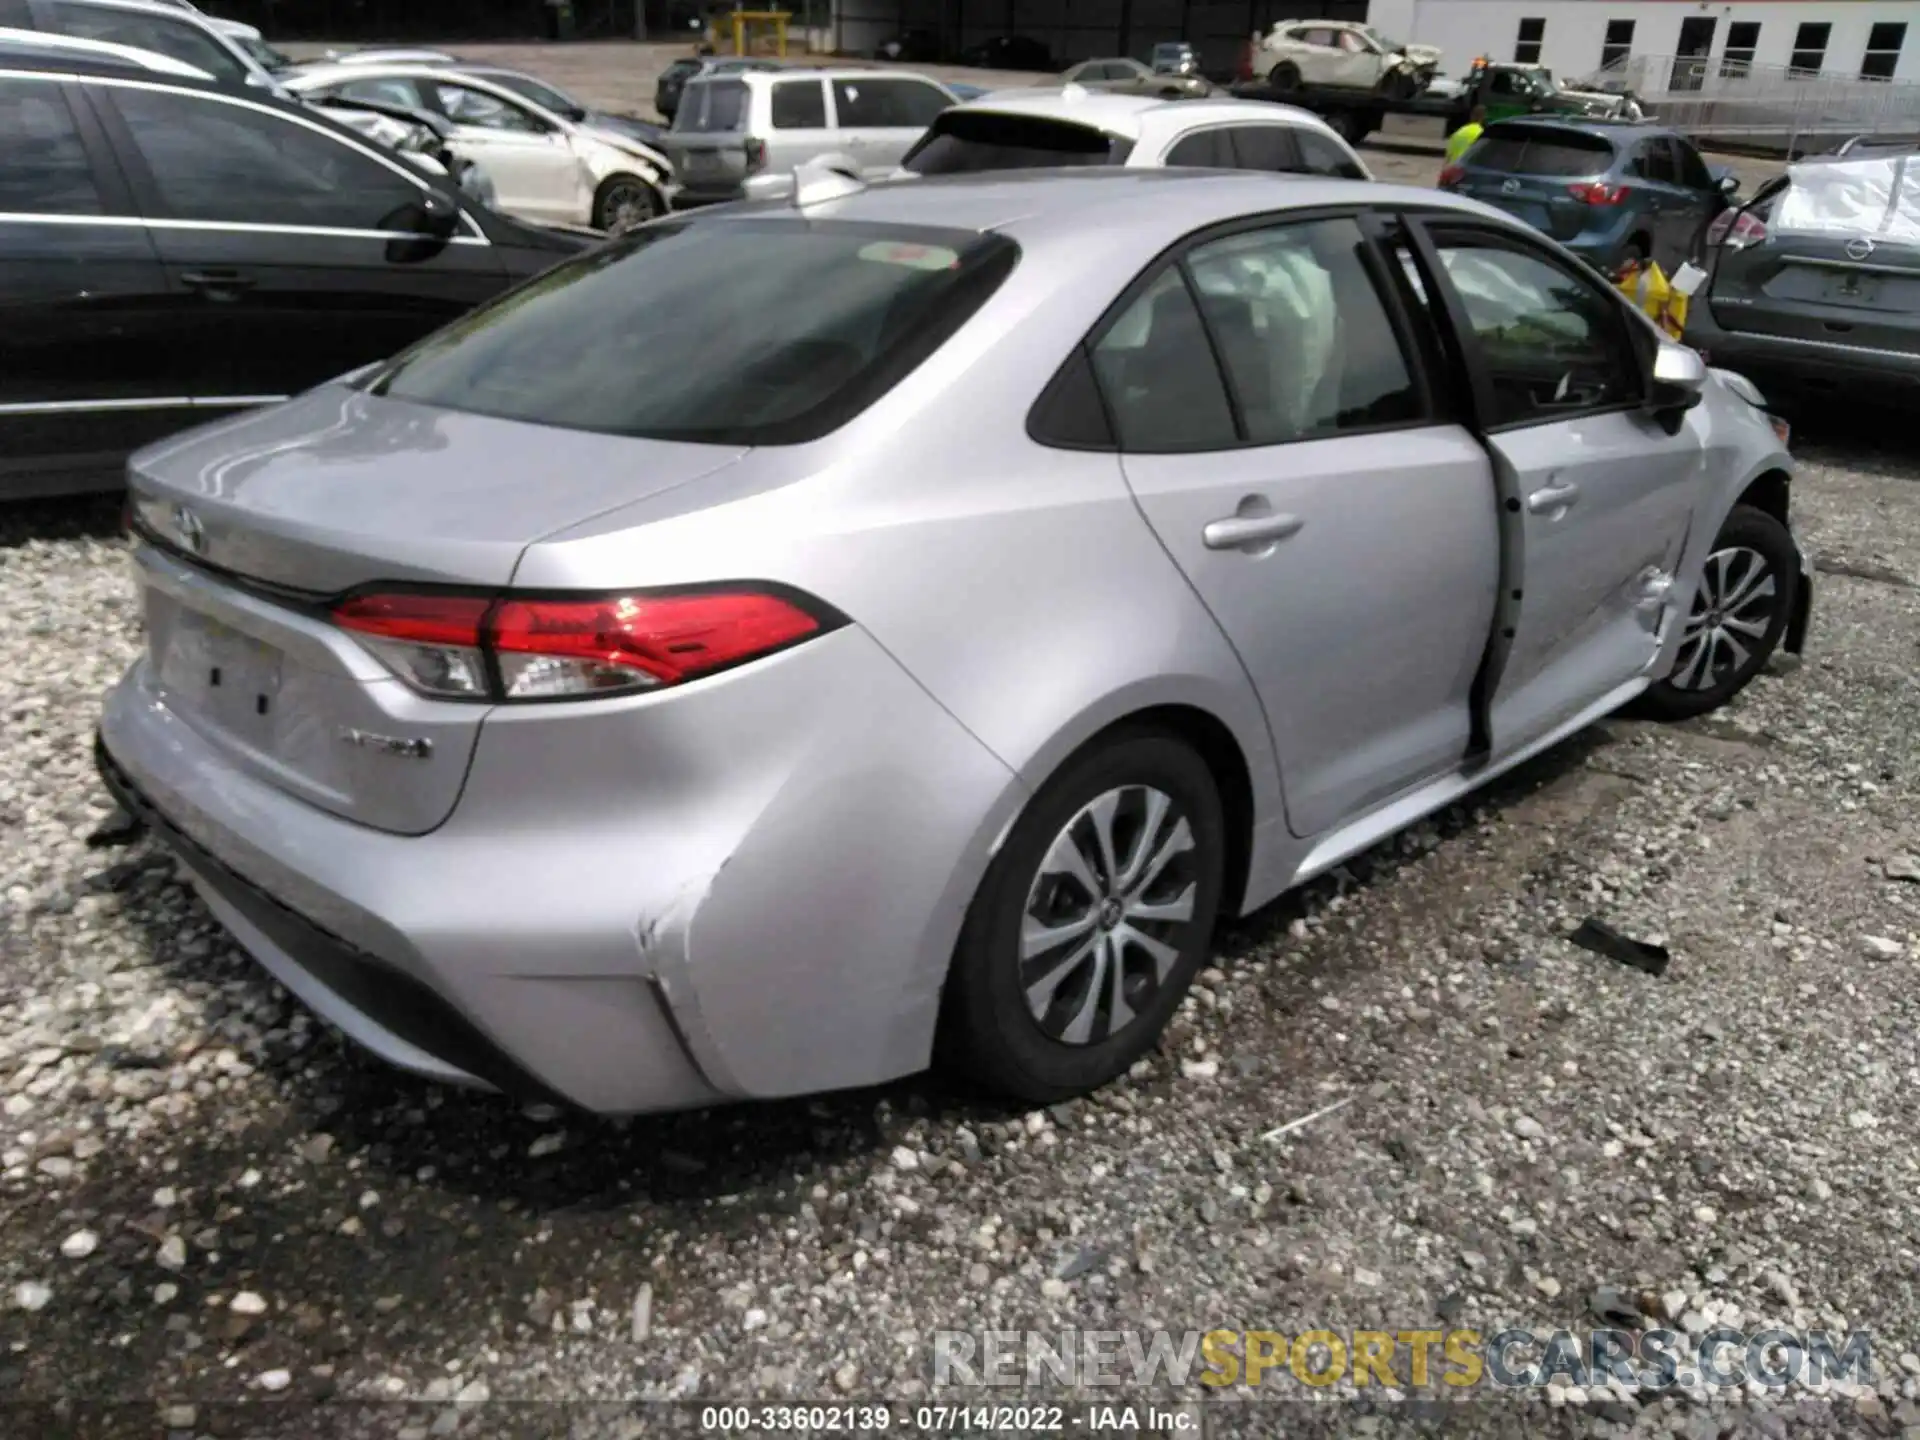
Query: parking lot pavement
point(205, 1194)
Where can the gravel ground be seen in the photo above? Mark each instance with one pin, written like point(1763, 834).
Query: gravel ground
point(207, 1197)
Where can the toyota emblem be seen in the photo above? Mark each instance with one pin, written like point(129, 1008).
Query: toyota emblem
point(1859, 249)
point(190, 532)
point(1510, 187)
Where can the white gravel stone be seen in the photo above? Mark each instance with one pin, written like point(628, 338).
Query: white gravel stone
point(248, 1302)
point(79, 1245)
point(274, 1379)
point(32, 1295)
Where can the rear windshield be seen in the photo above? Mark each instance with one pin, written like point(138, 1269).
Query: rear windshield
point(1876, 196)
point(1541, 152)
point(738, 332)
point(961, 141)
point(709, 105)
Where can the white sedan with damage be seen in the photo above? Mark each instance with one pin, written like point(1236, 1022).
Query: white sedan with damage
point(544, 167)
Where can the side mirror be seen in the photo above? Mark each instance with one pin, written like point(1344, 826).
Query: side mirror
point(1729, 185)
point(423, 228)
point(1679, 378)
point(437, 216)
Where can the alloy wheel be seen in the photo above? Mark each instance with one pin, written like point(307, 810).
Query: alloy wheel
point(1732, 612)
point(626, 206)
point(1097, 934)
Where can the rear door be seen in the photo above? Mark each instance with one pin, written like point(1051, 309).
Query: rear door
point(1339, 525)
point(1671, 211)
point(1529, 171)
point(882, 116)
point(801, 125)
point(86, 345)
point(709, 140)
point(287, 249)
point(1602, 493)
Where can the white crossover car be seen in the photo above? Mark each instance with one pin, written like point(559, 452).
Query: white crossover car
point(1343, 55)
point(544, 167)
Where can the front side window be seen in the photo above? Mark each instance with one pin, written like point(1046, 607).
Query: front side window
point(43, 164)
point(1693, 170)
point(1554, 343)
point(799, 105)
point(1307, 344)
point(465, 105)
point(885, 103)
point(215, 160)
point(731, 332)
point(180, 39)
point(1654, 161)
point(965, 141)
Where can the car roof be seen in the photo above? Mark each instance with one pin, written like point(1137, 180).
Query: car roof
point(311, 77)
point(1127, 116)
point(1597, 125)
point(64, 49)
point(1157, 205)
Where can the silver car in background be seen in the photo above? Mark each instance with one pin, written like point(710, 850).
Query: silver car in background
point(741, 136)
point(788, 643)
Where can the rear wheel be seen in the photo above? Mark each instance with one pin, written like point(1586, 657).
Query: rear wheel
point(1746, 599)
point(624, 201)
point(1090, 923)
point(1284, 76)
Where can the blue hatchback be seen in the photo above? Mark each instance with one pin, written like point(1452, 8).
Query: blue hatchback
point(1609, 191)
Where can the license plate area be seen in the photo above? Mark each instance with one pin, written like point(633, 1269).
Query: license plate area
point(212, 671)
point(1853, 288)
point(703, 162)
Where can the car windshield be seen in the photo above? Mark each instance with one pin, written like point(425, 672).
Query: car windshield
point(262, 53)
point(1541, 152)
point(964, 141)
point(1384, 42)
point(538, 91)
point(737, 332)
point(712, 105)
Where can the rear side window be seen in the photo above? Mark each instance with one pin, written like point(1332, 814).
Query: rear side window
point(181, 39)
point(1206, 150)
point(1321, 156)
point(1156, 368)
point(887, 103)
point(215, 160)
point(43, 165)
point(734, 332)
point(712, 105)
point(1263, 147)
point(963, 141)
point(799, 105)
point(1539, 152)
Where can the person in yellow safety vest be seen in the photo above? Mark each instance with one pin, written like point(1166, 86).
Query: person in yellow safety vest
point(1461, 139)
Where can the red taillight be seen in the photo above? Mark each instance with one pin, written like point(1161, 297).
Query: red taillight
point(756, 155)
point(480, 648)
point(1452, 176)
point(1597, 192)
point(1736, 234)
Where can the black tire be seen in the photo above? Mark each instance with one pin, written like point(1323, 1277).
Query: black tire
point(1284, 76)
point(1397, 85)
point(1354, 126)
point(625, 195)
point(989, 1033)
point(1747, 532)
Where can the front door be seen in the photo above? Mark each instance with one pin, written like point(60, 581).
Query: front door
point(530, 160)
point(284, 244)
point(84, 334)
point(1341, 532)
point(1601, 492)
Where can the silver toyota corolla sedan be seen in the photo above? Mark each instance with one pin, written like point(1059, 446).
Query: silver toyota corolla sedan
point(798, 641)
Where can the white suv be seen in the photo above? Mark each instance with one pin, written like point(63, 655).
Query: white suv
point(1025, 129)
point(742, 135)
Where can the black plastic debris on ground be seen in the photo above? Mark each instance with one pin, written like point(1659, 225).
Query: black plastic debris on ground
point(1602, 939)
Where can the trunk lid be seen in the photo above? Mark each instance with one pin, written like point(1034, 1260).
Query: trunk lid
point(334, 490)
point(1528, 171)
point(708, 146)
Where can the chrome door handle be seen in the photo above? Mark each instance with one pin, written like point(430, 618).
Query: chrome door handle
point(1242, 530)
point(1550, 498)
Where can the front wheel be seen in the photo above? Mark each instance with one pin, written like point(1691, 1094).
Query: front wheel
point(1091, 922)
point(1398, 85)
point(623, 202)
point(1284, 76)
point(1746, 598)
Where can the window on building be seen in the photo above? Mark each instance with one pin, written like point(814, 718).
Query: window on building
point(1810, 47)
point(1883, 50)
point(1618, 44)
point(1743, 38)
point(1526, 45)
